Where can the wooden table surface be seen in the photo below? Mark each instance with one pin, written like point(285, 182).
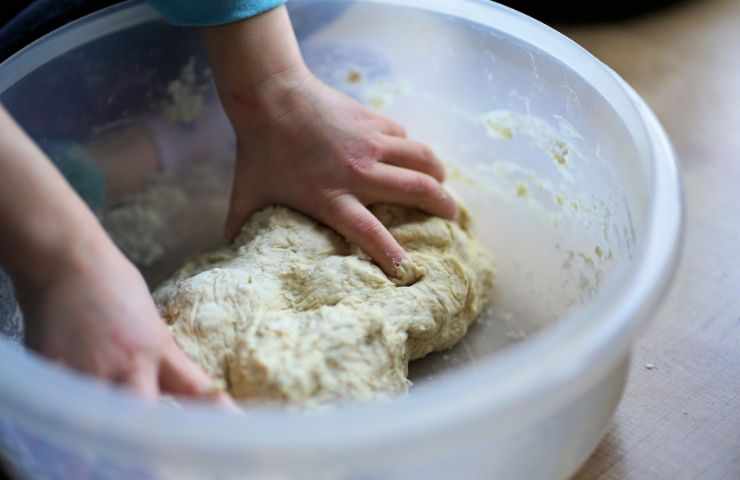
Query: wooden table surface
point(680, 417)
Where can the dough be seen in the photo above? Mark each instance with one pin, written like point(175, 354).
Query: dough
point(292, 313)
point(139, 224)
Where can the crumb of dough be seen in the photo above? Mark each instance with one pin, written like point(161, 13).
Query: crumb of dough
point(521, 190)
point(138, 225)
point(186, 96)
point(291, 313)
point(354, 76)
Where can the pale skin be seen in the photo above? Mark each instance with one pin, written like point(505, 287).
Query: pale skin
point(299, 143)
point(85, 304)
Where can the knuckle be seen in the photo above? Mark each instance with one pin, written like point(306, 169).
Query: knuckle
point(361, 158)
point(357, 166)
point(373, 148)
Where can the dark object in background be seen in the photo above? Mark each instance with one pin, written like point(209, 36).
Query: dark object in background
point(9, 11)
point(23, 21)
point(564, 11)
point(128, 71)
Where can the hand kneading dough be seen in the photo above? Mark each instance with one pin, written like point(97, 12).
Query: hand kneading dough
point(292, 313)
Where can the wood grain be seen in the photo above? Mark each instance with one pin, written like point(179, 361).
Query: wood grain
point(680, 418)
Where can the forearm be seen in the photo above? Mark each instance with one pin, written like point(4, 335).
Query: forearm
point(45, 224)
point(256, 63)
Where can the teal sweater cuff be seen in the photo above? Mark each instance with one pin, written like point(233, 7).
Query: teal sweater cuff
point(201, 13)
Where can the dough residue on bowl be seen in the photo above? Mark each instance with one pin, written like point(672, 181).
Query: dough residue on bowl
point(292, 313)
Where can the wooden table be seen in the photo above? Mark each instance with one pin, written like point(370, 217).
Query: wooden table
point(680, 417)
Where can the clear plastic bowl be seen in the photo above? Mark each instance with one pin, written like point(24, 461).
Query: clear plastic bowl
point(571, 179)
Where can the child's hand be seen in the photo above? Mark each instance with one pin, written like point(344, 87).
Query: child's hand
point(321, 152)
point(84, 304)
point(305, 145)
point(96, 315)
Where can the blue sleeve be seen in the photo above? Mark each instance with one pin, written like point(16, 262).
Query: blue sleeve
point(202, 13)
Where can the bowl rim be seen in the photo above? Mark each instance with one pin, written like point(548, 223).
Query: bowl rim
point(573, 351)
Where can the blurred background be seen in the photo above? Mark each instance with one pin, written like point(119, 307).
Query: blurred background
point(25, 20)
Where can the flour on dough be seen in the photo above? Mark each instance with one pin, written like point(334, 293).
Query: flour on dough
point(292, 313)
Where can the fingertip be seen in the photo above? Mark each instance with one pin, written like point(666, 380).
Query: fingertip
point(359, 226)
point(179, 375)
point(382, 247)
point(395, 257)
point(451, 206)
point(225, 401)
point(407, 273)
point(436, 167)
point(442, 171)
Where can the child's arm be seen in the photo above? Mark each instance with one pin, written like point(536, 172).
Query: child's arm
point(85, 305)
point(303, 144)
point(45, 225)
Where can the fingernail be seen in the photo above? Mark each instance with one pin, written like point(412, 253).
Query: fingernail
point(398, 259)
point(407, 273)
point(447, 196)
